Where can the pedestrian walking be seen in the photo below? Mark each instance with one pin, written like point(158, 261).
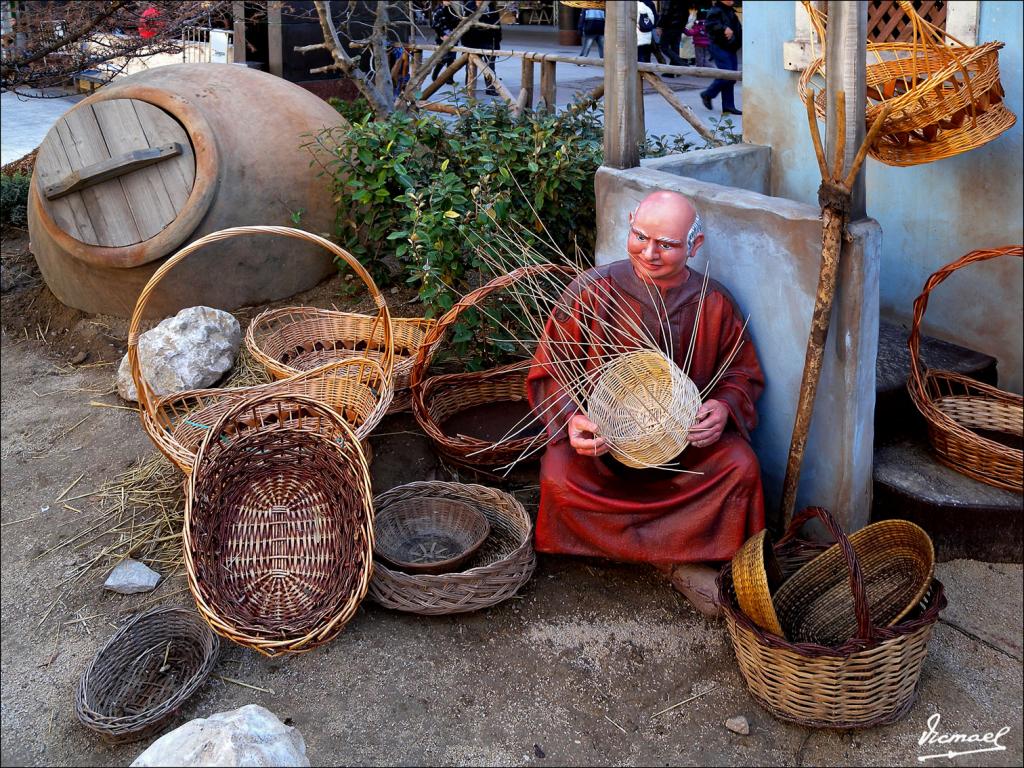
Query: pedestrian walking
point(726, 33)
point(592, 31)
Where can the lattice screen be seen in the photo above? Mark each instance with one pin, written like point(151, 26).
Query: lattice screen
point(887, 23)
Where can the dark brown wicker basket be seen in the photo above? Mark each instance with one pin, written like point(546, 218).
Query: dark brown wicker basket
point(867, 681)
point(424, 534)
point(144, 673)
point(496, 572)
point(278, 525)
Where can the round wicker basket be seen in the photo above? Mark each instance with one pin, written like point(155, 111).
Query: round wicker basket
point(966, 417)
point(144, 673)
point(868, 681)
point(279, 524)
point(496, 572)
point(428, 534)
point(644, 405)
point(176, 423)
point(945, 97)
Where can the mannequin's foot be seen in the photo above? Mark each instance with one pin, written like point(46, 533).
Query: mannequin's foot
point(696, 582)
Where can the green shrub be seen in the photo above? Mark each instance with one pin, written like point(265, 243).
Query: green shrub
point(14, 200)
point(353, 111)
point(415, 191)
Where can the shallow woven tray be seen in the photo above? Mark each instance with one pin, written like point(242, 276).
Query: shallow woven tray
point(427, 534)
point(144, 673)
point(869, 681)
point(278, 525)
point(496, 572)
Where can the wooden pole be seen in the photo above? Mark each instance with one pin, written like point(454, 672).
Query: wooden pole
point(526, 89)
point(238, 50)
point(444, 76)
point(621, 148)
point(846, 72)
point(688, 114)
point(275, 48)
point(548, 86)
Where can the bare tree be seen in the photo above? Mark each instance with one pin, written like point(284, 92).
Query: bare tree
point(50, 42)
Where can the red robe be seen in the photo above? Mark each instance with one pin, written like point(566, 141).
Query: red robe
point(597, 506)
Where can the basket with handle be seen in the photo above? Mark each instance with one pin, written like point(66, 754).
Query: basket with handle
point(438, 398)
point(871, 679)
point(361, 390)
point(278, 534)
point(965, 416)
point(945, 97)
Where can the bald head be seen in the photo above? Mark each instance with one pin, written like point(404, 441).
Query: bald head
point(664, 231)
point(675, 212)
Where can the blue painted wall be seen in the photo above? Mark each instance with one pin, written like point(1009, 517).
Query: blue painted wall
point(930, 214)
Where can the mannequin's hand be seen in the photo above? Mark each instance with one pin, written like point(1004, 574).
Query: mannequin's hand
point(583, 437)
point(712, 417)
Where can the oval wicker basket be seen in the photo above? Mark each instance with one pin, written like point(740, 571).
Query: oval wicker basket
point(500, 567)
point(438, 398)
point(428, 534)
point(869, 681)
point(897, 562)
point(959, 409)
point(176, 423)
point(945, 97)
point(279, 524)
point(141, 676)
point(290, 340)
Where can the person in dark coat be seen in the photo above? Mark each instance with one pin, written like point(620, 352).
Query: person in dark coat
point(484, 37)
point(443, 21)
point(674, 15)
point(726, 33)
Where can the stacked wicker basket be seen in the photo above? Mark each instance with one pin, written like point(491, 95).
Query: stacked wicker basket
point(833, 636)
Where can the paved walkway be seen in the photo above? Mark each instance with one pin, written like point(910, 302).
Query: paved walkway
point(25, 122)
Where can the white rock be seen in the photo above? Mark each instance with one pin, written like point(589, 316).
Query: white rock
point(131, 576)
point(738, 725)
point(248, 736)
point(191, 350)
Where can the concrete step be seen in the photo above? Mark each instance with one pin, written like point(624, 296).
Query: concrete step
point(895, 414)
point(965, 518)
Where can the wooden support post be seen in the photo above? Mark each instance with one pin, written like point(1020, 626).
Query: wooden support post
point(444, 76)
point(548, 86)
point(470, 78)
point(845, 71)
point(275, 49)
point(494, 81)
point(238, 52)
point(688, 114)
point(621, 149)
point(526, 89)
point(641, 117)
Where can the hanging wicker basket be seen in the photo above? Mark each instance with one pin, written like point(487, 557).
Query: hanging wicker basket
point(295, 339)
point(584, 4)
point(279, 524)
point(142, 675)
point(436, 399)
point(496, 572)
point(870, 680)
point(176, 423)
point(945, 98)
point(966, 418)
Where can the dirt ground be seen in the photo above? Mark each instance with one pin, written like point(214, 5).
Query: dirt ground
point(575, 670)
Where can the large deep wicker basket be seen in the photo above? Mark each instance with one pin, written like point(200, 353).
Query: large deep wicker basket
point(500, 567)
point(436, 399)
point(141, 676)
point(972, 427)
point(869, 680)
point(294, 339)
point(279, 525)
point(945, 97)
point(176, 423)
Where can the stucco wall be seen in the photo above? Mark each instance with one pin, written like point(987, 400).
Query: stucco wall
point(766, 251)
point(930, 214)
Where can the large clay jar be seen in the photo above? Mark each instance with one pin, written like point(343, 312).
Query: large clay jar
point(154, 161)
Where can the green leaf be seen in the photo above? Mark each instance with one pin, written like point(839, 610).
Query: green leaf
point(451, 214)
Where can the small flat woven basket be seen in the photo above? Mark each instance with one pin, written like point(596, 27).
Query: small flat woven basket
point(279, 525)
point(500, 567)
point(870, 680)
point(141, 676)
point(965, 417)
point(176, 423)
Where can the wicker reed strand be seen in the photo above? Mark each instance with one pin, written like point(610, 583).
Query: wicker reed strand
point(144, 673)
point(644, 405)
point(278, 525)
point(177, 423)
point(957, 408)
point(863, 683)
point(428, 535)
point(496, 572)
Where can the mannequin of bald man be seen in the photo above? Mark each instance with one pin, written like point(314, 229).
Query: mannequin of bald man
point(586, 509)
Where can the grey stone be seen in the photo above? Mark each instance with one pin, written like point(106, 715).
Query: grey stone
point(191, 350)
point(131, 576)
point(738, 725)
point(248, 736)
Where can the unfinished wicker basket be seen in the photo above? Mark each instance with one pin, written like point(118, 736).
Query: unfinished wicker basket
point(279, 524)
point(945, 97)
point(436, 399)
point(141, 676)
point(868, 681)
point(966, 417)
point(500, 567)
point(176, 423)
point(294, 339)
